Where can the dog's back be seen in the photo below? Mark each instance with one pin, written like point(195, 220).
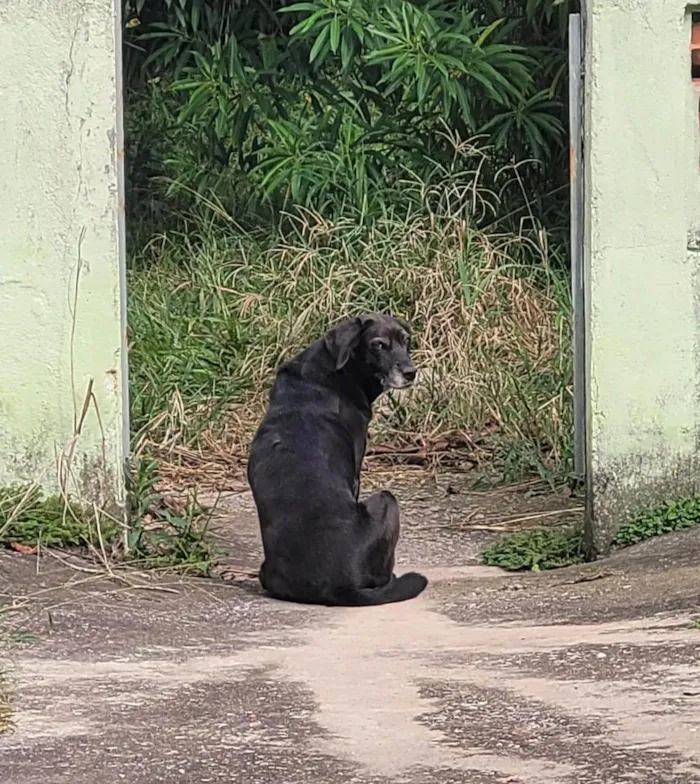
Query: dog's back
point(300, 467)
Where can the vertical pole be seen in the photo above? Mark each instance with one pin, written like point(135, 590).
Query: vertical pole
point(121, 229)
point(577, 236)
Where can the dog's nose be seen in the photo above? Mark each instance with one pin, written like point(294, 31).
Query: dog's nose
point(410, 374)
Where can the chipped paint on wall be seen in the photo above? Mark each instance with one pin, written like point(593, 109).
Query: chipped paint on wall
point(62, 376)
point(643, 211)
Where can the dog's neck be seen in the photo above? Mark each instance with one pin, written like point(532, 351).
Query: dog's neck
point(360, 384)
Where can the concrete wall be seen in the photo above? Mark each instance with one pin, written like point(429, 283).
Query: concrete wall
point(643, 295)
point(62, 323)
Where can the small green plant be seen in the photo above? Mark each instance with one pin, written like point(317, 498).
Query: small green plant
point(670, 516)
point(537, 550)
point(165, 532)
point(552, 548)
point(29, 518)
point(695, 622)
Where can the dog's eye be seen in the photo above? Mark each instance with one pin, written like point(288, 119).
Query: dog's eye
point(380, 344)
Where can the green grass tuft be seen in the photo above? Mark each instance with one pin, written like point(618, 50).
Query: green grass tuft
point(166, 532)
point(666, 518)
point(537, 550)
point(6, 722)
point(552, 548)
point(29, 518)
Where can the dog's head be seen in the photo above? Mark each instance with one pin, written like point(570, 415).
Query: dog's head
point(380, 344)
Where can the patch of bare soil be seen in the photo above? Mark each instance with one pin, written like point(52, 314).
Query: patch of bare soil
point(446, 521)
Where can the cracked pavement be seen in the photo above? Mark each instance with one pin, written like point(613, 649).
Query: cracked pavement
point(589, 675)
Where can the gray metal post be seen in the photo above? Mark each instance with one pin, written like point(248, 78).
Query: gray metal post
point(577, 237)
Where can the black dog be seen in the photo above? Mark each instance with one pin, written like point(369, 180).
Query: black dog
point(322, 544)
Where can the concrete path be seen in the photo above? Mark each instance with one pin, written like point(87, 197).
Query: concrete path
point(585, 676)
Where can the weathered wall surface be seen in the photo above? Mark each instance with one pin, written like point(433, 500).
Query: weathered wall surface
point(62, 324)
point(643, 297)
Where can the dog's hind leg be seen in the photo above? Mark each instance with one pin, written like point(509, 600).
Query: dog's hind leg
point(380, 513)
point(262, 576)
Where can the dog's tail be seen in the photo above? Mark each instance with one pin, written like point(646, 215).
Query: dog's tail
point(398, 589)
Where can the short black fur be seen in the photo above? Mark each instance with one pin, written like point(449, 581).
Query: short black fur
point(322, 544)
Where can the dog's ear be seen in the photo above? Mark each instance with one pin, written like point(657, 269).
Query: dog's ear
point(342, 340)
point(367, 319)
point(404, 325)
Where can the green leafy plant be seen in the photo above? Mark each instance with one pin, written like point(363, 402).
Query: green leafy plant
point(537, 550)
point(29, 518)
point(668, 517)
point(551, 548)
point(165, 532)
point(326, 104)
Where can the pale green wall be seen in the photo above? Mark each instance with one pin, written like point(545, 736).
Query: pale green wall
point(61, 243)
point(643, 205)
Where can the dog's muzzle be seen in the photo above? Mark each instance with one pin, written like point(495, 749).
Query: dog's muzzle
point(401, 378)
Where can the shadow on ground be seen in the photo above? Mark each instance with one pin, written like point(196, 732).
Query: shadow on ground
point(589, 675)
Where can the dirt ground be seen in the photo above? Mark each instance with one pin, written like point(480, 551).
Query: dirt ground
point(589, 675)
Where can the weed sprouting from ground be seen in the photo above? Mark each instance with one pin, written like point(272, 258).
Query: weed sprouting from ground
point(164, 531)
point(671, 516)
point(29, 518)
point(5, 709)
point(552, 548)
point(6, 723)
point(6, 720)
point(537, 550)
point(212, 315)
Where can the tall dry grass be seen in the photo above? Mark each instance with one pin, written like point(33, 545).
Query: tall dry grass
point(214, 312)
